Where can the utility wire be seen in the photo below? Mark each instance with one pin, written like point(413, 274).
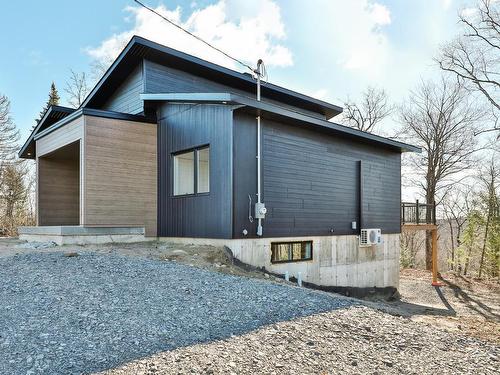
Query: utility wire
point(197, 37)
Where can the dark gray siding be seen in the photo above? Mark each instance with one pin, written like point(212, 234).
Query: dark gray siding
point(181, 127)
point(164, 79)
point(311, 181)
point(126, 98)
point(244, 172)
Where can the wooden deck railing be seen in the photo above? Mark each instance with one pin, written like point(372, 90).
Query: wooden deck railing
point(418, 213)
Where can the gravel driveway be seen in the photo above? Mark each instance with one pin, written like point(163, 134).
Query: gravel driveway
point(92, 312)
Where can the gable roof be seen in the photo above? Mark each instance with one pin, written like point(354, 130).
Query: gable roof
point(140, 48)
point(54, 114)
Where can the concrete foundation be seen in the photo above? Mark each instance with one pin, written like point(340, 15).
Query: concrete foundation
point(338, 261)
point(77, 235)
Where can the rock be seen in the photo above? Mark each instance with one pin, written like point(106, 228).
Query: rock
point(70, 255)
point(179, 252)
point(388, 363)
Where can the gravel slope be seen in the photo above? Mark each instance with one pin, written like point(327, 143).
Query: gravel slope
point(72, 315)
point(354, 340)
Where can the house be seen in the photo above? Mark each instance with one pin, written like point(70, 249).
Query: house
point(165, 146)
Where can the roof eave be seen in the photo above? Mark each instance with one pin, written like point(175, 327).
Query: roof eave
point(108, 72)
point(229, 98)
point(329, 110)
point(23, 152)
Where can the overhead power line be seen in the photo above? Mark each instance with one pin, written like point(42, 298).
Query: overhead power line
point(195, 36)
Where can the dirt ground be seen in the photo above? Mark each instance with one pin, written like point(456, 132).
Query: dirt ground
point(467, 306)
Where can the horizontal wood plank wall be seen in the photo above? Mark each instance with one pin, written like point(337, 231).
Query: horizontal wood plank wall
point(182, 127)
point(163, 79)
point(311, 181)
point(126, 98)
point(120, 173)
point(58, 190)
point(63, 136)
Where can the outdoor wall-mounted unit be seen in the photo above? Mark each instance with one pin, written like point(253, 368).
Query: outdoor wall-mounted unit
point(369, 237)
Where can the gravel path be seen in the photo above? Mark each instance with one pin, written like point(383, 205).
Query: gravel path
point(92, 312)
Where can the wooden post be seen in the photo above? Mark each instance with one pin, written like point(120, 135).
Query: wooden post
point(435, 281)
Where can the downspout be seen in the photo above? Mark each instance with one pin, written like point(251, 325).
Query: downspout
point(260, 208)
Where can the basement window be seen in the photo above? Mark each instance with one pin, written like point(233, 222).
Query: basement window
point(282, 252)
point(191, 171)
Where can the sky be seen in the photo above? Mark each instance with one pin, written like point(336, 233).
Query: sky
point(329, 49)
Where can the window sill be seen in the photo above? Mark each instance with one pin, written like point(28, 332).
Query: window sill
point(189, 195)
point(291, 261)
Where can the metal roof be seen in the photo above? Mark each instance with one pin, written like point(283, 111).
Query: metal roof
point(54, 114)
point(139, 48)
point(281, 112)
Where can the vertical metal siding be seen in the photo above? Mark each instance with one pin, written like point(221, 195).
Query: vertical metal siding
point(244, 172)
point(185, 126)
point(311, 181)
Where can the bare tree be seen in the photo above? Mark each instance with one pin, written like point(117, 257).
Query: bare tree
point(77, 88)
point(98, 68)
point(411, 242)
point(490, 180)
point(474, 57)
point(14, 197)
point(440, 118)
point(371, 110)
point(12, 187)
point(9, 135)
point(456, 207)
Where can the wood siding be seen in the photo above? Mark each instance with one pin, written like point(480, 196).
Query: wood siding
point(63, 136)
point(163, 79)
point(182, 127)
point(58, 139)
point(58, 193)
point(126, 98)
point(120, 173)
point(311, 181)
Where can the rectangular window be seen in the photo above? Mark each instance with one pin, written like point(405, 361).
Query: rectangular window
point(203, 185)
point(184, 173)
point(291, 251)
point(191, 171)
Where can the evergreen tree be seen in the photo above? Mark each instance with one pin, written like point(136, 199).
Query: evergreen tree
point(53, 100)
